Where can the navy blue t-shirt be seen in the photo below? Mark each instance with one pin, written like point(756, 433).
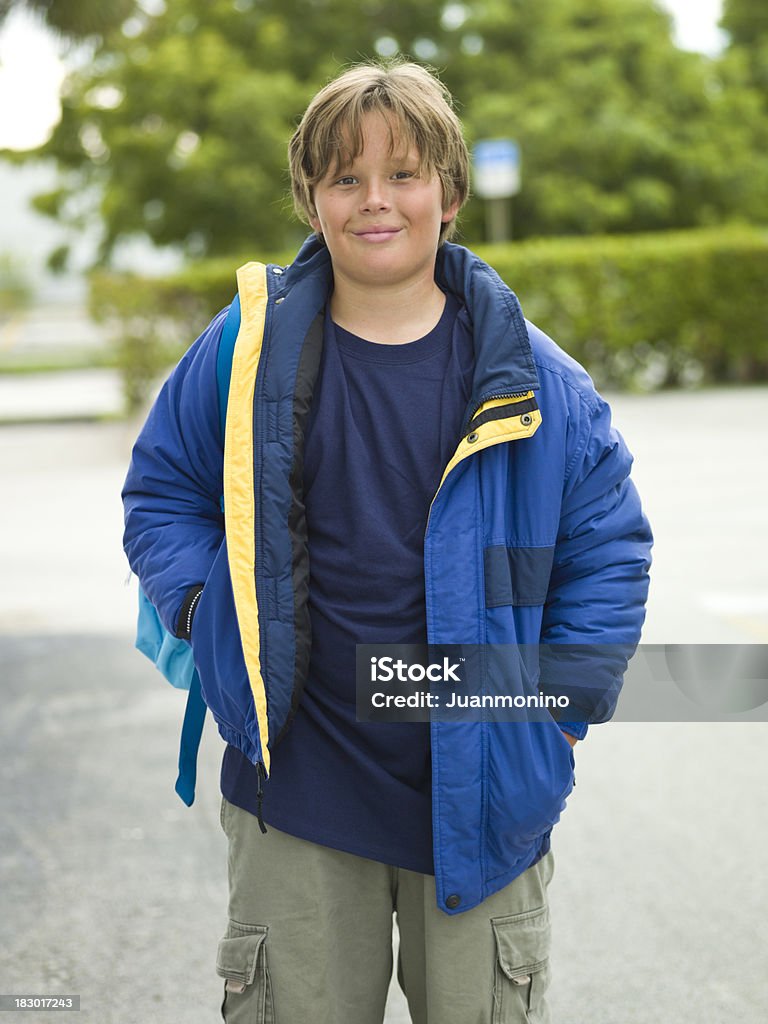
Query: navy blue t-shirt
point(384, 422)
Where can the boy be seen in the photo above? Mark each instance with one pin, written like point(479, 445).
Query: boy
point(406, 461)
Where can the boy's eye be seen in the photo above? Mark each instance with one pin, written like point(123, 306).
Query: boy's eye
point(350, 179)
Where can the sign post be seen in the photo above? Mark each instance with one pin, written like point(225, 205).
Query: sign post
point(496, 178)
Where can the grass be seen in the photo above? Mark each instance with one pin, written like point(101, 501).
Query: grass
point(54, 362)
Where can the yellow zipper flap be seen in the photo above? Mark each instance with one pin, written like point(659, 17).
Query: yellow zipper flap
point(508, 428)
point(239, 493)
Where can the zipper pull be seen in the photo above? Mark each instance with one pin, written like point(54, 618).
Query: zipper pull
point(261, 774)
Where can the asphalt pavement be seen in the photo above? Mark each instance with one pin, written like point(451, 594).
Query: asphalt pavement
point(111, 889)
point(60, 396)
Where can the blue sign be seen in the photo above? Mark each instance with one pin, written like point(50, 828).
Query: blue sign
point(496, 168)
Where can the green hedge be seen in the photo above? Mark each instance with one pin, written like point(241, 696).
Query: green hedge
point(649, 310)
point(639, 311)
point(155, 319)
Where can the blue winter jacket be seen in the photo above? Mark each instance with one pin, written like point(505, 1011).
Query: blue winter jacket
point(535, 535)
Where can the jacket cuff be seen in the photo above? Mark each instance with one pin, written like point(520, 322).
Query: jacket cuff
point(187, 612)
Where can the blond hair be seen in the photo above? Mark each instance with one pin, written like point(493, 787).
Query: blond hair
point(419, 110)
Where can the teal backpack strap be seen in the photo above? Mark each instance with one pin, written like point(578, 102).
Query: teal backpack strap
point(194, 715)
point(191, 733)
point(224, 366)
point(224, 359)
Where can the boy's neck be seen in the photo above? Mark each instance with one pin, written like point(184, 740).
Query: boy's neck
point(390, 316)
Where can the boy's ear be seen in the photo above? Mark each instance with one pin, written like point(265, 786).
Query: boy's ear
point(450, 212)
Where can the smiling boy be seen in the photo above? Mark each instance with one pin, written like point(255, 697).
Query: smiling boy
point(380, 217)
point(407, 460)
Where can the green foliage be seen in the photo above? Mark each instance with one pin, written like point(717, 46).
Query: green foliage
point(639, 311)
point(58, 259)
point(745, 21)
point(619, 130)
point(178, 127)
point(76, 20)
point(151, 320)
point(154, 319)
point(649, 310)
point(15, 290)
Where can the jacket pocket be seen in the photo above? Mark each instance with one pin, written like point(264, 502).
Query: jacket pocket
point(530, 775)
point(522, 967)
point(218, 652)
point(242, 962)
point(516, 576)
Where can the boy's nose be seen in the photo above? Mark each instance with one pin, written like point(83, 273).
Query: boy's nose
point(375, 199)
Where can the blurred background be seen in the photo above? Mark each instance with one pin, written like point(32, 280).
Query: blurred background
point(142, 158)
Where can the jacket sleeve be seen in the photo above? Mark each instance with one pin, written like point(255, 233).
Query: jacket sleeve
point(174, 524)
point(599, 582)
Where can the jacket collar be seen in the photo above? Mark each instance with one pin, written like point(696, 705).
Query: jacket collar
point(503, 357)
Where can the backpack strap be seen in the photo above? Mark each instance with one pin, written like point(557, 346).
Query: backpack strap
point(194, 715)
point(189, 744)
point(224, 359)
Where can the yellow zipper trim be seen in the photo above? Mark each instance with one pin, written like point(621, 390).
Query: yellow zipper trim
point(511, 428)
point(239, 494)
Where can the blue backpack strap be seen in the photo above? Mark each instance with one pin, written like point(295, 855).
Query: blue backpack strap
point(191, 733)
point(194, 715)
point(224, 359)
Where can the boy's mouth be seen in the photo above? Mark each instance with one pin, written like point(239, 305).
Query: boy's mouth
point(377, 234)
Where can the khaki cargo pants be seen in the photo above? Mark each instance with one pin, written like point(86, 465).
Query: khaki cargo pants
point(310, 939)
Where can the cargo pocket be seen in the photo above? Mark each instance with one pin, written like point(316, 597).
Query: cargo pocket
point(242, 962)
point(522, 967)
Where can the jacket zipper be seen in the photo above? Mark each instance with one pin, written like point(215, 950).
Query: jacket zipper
point(191, 611)
point(463, 433)
point(258, 434)
point(261, 773)
point(187, 611)
point(490, 398)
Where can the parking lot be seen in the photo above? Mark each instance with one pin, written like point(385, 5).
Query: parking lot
point(111, 889)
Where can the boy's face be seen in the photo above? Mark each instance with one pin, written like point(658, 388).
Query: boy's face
point(380, 220)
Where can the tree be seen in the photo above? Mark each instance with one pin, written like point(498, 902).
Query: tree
point(178, 127)
point(619, 130)
point(746, 22)
point(76, 20)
